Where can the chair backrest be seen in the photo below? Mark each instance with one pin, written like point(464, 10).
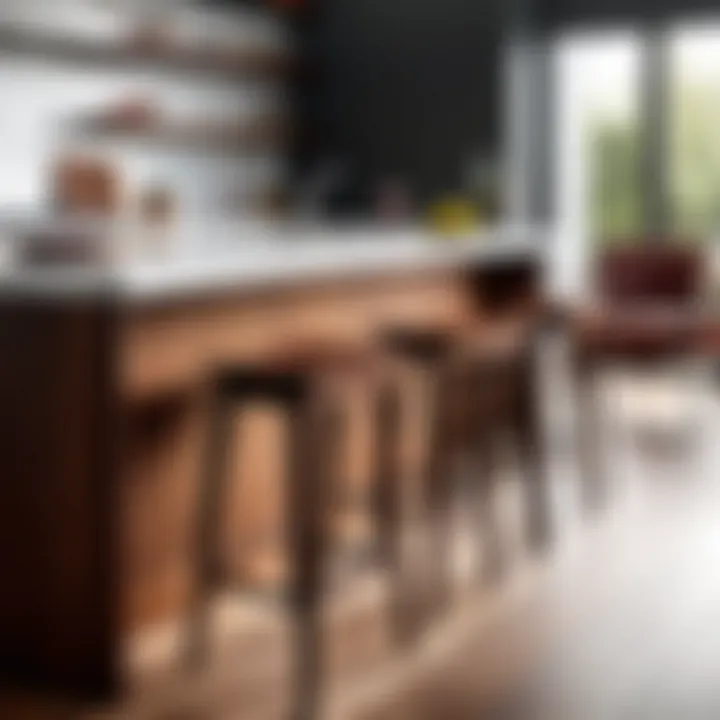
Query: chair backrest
point(657, 273)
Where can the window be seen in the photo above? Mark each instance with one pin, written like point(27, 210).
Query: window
point(599, 142)
point(694, 131)
point(600, 90)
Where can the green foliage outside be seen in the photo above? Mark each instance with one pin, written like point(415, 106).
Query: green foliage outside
point(694, 162)
point(615, 181)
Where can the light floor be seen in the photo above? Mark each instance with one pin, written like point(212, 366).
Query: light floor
point(620, 620)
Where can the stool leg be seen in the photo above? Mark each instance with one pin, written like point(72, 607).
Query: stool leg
point(345, 504)
point(484, 438)
point(307, 518)
point(388, 503)
point(439, 491)
point(210, 494)
point(530, 438)
point(593, 486)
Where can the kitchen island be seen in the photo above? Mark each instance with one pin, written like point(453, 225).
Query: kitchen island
point(103, 411)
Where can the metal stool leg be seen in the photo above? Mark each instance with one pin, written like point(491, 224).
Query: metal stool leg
point(593, 488)
point(485, 437)
point(308, 503)
point(207, 565)
point(530, 441)
point(388, 505)
point(439, 490)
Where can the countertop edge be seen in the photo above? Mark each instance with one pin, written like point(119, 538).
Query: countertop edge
point(277, 266)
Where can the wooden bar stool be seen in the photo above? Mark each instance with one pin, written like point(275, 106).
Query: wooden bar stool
point(502, 386)
point(431, 349)
point(302, 381)
point(483, 383)
point(425, 349)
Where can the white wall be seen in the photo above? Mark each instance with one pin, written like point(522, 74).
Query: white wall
point(39, 99)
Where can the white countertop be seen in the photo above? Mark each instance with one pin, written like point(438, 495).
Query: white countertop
point(275, 258)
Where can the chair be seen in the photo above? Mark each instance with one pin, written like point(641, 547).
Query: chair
point(646, 310)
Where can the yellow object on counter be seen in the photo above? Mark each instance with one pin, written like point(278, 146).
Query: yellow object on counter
point(453, 217)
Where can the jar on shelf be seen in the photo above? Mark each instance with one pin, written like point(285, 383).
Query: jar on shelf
point(158, 212)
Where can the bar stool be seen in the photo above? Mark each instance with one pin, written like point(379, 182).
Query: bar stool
point(424, 349)
point(483, 382)
point(503, 397)
point(302, 381)
point(430, 349)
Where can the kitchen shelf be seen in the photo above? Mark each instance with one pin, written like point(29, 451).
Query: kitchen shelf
point(251, 136)
point(245, 63)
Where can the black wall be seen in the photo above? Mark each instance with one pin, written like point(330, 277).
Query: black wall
point(564, 13)
point(400, 88)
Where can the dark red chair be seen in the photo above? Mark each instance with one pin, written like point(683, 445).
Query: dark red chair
point(646, 309)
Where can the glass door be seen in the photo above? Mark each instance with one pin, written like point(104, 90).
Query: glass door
point(597, 146)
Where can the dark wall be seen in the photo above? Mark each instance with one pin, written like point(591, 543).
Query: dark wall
point(562, 13)
point(403, 89)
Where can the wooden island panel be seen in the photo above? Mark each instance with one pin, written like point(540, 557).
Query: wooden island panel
point(171, 346)
point(59, 603)
point(103, 418)
point(169, 352)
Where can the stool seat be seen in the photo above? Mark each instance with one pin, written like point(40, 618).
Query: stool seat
point(426, 345)
point(317, 355)
point(284, 374)
point(499, 343)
